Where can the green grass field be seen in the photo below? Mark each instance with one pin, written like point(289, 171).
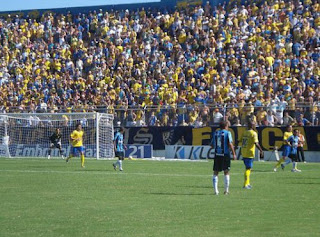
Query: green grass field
point(154, 198)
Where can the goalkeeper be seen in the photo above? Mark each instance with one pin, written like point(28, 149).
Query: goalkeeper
point(248, 142)
point(55, 142)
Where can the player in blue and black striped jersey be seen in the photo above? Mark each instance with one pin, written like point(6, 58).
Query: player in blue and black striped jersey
point(222, 143)
point(119, 148)
point(294, 142)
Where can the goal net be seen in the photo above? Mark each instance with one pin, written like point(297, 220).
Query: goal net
point(27, 135)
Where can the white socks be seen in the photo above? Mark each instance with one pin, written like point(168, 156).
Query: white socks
point(226, 183)
point(118, 163)
point(215, 183)
point(215, 180)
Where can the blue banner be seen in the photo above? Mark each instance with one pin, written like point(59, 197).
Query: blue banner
point(41, 150)
point(139, 151)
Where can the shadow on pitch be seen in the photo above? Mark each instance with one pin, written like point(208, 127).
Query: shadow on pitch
point(261, 171)
point(298, 178)
point(44, 167)
point(98, 170)
point(180, 194)
point(309, 183)
point(194, 186)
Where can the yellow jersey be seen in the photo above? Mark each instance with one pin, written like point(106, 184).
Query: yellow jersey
point(286, 137)
point(77, 135)
point(248, 143)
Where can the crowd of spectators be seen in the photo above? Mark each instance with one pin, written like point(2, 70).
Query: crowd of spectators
point(193, 66)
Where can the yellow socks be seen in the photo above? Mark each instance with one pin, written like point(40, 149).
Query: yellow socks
point(279, 163)
point(247, 177)
point(81, 157)
point(82, 160)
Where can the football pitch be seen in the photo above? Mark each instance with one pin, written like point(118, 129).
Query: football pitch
point(42, 197)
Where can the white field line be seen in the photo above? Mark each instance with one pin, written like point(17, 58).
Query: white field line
point(120, 173)
point(111, 159)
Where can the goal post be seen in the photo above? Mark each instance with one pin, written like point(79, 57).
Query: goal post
point(27, 134)
point(4, 137)
point(104, 136)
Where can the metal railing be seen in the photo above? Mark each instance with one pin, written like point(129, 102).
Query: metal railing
point(196, 115)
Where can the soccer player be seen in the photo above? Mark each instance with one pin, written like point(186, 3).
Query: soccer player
point(286, 149)
point(222, 143)
point(55, 142)
point(249, 141)
point(294, 142)
point(77, 144)
point(119, 148)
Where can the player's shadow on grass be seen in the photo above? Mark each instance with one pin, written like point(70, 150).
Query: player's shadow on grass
point(298, 178)
point(308, 183)
point(261, 171)
point(194, 186)
point(98, 170)
point(180, 194)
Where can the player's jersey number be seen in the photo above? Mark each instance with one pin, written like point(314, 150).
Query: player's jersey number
point(244, 142)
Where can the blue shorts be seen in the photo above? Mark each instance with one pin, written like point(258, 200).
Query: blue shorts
point(286, 151)
point(78, 148)
point(248, 162)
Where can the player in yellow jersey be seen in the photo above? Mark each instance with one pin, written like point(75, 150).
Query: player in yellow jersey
point(77, 144)
point(285, 149)
point(249, 141)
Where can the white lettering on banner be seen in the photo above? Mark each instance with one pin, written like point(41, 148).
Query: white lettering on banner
point(28, 151)
point(89, 153)
point(19, 150)
point(133, 152)
point(4, 151)
point(143, 137)
point(139, 151)
point(189, 152)
point(22, 150)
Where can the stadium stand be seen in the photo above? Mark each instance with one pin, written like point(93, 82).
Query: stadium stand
point(194, 66)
